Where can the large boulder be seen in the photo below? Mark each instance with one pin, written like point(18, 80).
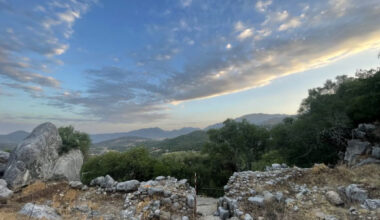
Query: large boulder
point(354, 149)
point(68, 166)
point(4, 156)
point(35, 157)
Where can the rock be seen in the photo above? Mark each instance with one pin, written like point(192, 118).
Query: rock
point(223, 214)
point(128, 186)
point(39, 212)
point(354, 193)
point(5, 193)
point(367, 161)
point(354, 149)
point(76, 184)
point(190, 200)
point(4, 157)
point(108, 182)
point(334, 198)
point(159, 178)
point(276, 166)
point(372, 204)
point(376, 152)
point(268, 197)
point(256, 200)
point(366, 127)
point(185, 218)
point(34, 158)
point(97, 181)
point(155, 191)
point(248, 217)
point(279, 196)
point(68, 166)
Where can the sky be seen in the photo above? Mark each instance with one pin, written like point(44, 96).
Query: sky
point(108, 66)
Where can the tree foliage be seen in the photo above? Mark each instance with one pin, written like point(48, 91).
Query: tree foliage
point(72, 139)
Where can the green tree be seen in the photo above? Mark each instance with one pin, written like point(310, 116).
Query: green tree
point(236, 144)
point(72, 139)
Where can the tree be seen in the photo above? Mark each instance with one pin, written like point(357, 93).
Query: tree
point(72, 139)
point(237, 144)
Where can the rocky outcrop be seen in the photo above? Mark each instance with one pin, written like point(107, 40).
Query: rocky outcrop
point(4, 156)
point(68, 166)
point(36, 158)
point(39, 212)
point(360, 151)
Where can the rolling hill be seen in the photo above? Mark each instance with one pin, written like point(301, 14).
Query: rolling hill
point(260, 119)
point(9, 141)
point(150, 133)
point(191, 141)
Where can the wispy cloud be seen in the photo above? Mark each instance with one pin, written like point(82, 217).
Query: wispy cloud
point(211, 50)
point(33, 37)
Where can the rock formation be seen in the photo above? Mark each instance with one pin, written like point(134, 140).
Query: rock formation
point(37, 158)
point(68, 166)
point(360, 150)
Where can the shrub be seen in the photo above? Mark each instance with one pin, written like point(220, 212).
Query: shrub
point(72, 139)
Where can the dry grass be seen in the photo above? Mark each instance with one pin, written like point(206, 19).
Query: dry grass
point(320, 175)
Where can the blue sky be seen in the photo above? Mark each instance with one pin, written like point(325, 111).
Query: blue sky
point(106, 66)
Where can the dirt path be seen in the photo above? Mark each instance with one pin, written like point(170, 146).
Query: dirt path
point(206, 206)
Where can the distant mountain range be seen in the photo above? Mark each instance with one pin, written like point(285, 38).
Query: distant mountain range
point(9, 141)
point(260, 119)
point(150, 136)
point(191, 141)
point(175, 140)
point(150, 133)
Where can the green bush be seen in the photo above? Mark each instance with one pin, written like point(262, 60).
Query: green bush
point(268, 159)
point(72, 139)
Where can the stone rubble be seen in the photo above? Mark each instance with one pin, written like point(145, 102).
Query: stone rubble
point(255, 195)
point(162, 198)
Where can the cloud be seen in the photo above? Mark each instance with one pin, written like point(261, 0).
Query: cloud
point(120, 95)
point(245, 34)
point(26, 88)
point(292, 23)
point(33, 36)
point(172, 69)
point(263, 5)
point(186, 3)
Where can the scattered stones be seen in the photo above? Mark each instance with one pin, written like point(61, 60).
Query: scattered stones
point(334, 198)
point(39, 212)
